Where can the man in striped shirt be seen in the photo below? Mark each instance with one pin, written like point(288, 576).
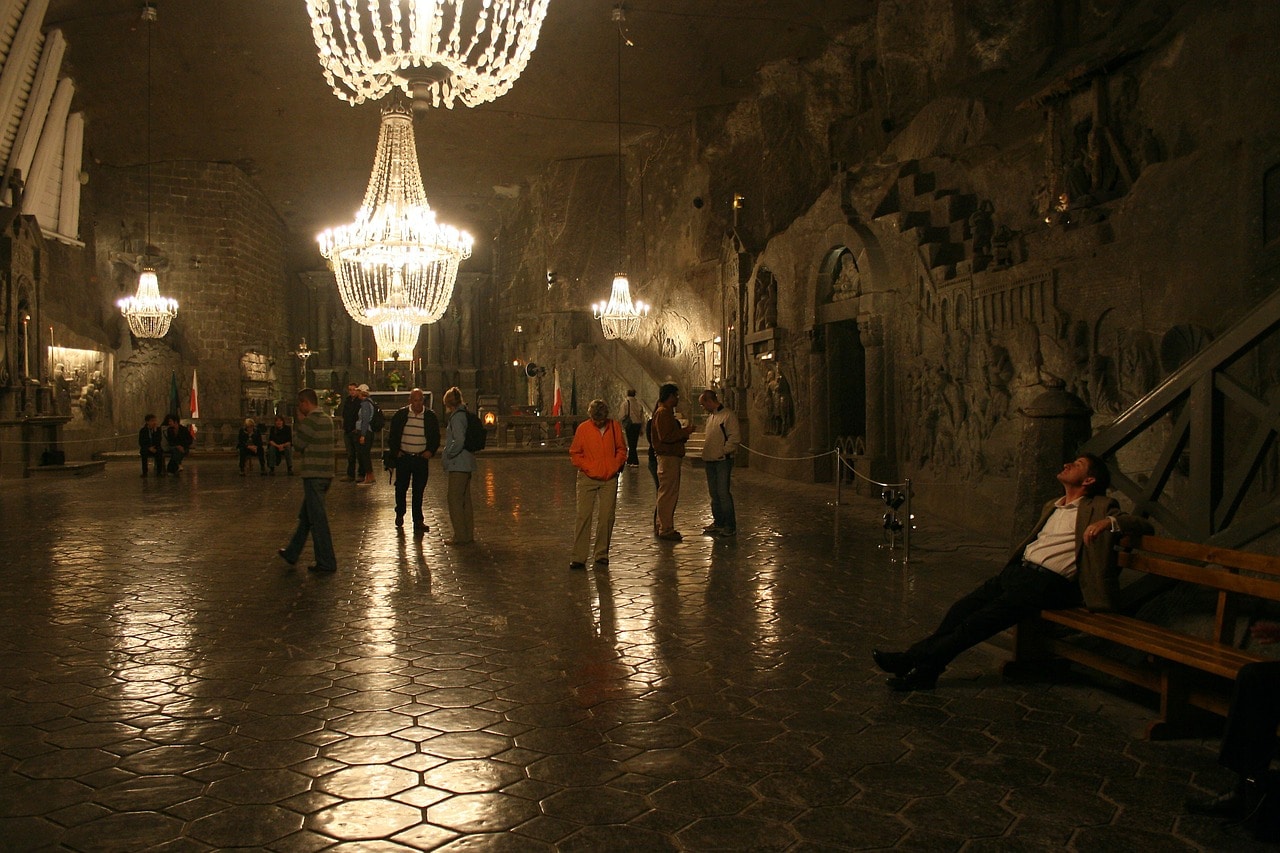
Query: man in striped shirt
point(414, 438)
point(313, 438)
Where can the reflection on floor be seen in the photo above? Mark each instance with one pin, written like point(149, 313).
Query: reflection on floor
point(168, 682)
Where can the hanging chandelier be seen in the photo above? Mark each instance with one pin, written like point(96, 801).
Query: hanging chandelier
point(396, 326)
point(620, 317)
point(148, 313)
point(395, 240)
point(436, 51)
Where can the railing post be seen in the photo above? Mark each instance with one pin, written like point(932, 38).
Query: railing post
point(839, 463)
point(906, 527)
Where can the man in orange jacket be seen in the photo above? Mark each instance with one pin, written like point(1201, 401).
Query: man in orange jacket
point(599, 451)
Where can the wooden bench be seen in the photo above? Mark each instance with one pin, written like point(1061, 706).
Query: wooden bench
point(1186, 671)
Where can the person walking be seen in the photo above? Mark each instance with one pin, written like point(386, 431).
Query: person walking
point(364, 439)
point(350, 416)
point(599, 452)
point(313, 439)
point(150, 445)
point(668, 438)
point(459, 463)
point(632, 418)
point(722, 438)
point(413, 439)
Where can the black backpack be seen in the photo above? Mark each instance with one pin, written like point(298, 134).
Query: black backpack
point(377, 420)
point(476, 436)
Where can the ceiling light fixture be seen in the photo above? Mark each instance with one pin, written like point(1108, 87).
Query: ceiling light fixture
point(148, 313)
point(395, 263)
point(620, 317)
point(396, 326)
point(437, 52)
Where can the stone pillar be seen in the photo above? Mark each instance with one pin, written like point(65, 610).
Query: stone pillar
point(871, 329)
point(1055, 425)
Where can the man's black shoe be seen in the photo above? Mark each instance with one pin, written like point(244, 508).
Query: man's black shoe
point(399, 521)
point(603, 561)
point(894, 663)
point(420, 528)
point(284, 555)
point(577, 567)
point(916, 679)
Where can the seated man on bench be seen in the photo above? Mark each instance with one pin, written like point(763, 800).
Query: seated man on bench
point(1248, 745)
point(1064, 562)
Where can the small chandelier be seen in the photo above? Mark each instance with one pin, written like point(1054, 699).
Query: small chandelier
point(396, 326)
point(395, 240)
point(149, 314)
point(435, 51)
point(620, 317)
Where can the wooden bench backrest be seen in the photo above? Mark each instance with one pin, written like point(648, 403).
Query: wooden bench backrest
point(1232, 573)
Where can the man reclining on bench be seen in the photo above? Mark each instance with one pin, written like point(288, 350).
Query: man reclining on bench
point(1064, 562)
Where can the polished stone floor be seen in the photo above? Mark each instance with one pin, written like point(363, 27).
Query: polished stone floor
point(167, 683)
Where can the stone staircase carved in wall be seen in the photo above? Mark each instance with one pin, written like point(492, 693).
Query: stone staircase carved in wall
point(936, 219)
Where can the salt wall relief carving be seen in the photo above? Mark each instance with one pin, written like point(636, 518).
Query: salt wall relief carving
point(988, 344)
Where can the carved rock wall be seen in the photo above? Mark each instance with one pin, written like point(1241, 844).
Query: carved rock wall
point(1035, 195)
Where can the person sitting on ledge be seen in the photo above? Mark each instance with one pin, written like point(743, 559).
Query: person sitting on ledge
point(1064, 562)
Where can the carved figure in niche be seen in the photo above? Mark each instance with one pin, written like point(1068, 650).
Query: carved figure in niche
point(93, 398)
point(848, 278)
point(781, 405)
point(766, 304)
point(1079, 186)
point(1137, 372)
point(982, 228)
point(61, 389)
point(1002, 248)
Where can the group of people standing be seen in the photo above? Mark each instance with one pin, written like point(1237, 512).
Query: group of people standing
point(599, 454)
point(413, 439)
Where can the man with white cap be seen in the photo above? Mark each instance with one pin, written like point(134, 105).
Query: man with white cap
point(364, 438)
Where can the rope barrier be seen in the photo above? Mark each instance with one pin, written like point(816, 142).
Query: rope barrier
point(788, 458)
point(74, 440)
point(892, 499)
point(855, 473)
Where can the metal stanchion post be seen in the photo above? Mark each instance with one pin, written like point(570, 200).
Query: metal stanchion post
point(906, 528)
point(839, 463)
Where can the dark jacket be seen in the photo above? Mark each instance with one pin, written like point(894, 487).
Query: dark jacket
point(247, 437)
point(280, 434)
point(149, 438)
point(1096, 569)
point(178, 435)
point(430, 425)
point(665, 433)
point(350, 413)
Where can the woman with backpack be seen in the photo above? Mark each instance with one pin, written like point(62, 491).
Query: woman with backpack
point(459, 462)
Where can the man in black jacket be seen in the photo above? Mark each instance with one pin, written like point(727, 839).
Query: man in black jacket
point(414, 438)
point(178, 437)
point(150, 445)
point(350, 437)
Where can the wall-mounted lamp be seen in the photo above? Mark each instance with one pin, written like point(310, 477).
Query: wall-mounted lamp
point(738, 199)
point(551, 278)
point(519, 329)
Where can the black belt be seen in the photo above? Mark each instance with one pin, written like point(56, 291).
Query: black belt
point(1036, 567)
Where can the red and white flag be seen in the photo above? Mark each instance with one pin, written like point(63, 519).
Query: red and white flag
point(557, 405)
point(195, 396)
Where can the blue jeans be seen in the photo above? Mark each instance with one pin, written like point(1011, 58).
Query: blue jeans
point(313, 519)
point(718, 476)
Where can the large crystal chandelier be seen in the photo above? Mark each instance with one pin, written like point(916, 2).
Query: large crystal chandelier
point(395, 241)
point(396, 326)
point(620, 317)
point(435, 51)
point(149, 314)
